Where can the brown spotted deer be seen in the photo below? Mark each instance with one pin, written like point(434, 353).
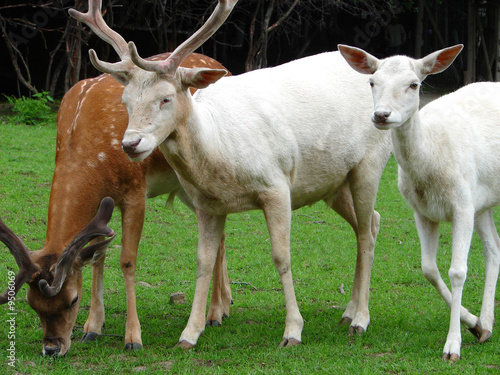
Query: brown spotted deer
point(85, 172)
point(47, 273)
point(273, 139)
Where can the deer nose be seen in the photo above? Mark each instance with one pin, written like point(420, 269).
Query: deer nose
point(51, 350)
point(130, 146)
point(381, 116)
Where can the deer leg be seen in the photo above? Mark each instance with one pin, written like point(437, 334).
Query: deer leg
point(428, 233)
point(365, 253)
point(344, 206)
point(462, 228)
point(485, 227)
point(210, 231)
point(277, 210)
point(355, 203)
point(132, 224)
point(95, 321)
point(221, 290)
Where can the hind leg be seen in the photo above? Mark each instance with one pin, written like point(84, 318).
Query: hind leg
point(357, 314)
point(221, 290)
point(95, 321)
point(485, 227)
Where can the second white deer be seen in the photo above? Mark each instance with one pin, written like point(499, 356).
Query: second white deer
point(449, 170)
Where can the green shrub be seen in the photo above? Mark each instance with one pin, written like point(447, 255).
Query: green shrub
point(31, 111)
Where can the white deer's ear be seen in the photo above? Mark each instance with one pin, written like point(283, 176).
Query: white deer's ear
point(358, 59)
point(200, 78)
point(440, 60)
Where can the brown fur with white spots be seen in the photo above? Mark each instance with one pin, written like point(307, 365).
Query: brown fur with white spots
point(90, 165)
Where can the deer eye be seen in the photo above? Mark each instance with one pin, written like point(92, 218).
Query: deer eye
point(165, 101)
point(372, 84)
point(414, 86)
point(75, 300)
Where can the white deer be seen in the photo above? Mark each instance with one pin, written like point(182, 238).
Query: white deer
point(449, 170)
point(274, 139)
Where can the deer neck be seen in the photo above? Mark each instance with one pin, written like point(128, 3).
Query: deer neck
point(72, 205)
point(193, 149)
point(412, 148)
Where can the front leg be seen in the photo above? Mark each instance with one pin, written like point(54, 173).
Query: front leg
point(210, 230)
point(428, 232)
point(277, 210)
point(462, 228)
point(132, 224)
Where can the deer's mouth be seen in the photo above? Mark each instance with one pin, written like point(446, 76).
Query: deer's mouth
point(381, 125)
point(137, 156)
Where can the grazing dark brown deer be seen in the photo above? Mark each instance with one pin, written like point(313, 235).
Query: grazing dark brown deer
point(48, 274)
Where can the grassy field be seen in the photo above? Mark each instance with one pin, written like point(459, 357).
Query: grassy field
point(409, 321)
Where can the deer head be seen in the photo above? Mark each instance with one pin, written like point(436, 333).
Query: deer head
point(54, 293)
point(395, 81)
point(156, 91)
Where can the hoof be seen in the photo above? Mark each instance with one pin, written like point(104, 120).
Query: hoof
point(213, 323)
point(476, 331)
point(134, 346)
point(90, 336)
point(184, 345)
point(356, 330)
point(485, 336)
point(287, 343)
point(452, 358)
point(345, 322)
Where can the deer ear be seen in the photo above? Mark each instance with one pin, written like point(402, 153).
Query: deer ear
point(358, 59)
point(440, 60)
point(200, 78)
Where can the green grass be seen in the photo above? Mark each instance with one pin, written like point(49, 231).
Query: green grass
point(409, 321)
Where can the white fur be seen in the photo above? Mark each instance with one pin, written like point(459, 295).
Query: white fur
point(449, 170)
point(274, 139)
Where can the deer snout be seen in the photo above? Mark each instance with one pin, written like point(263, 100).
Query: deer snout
point(136, 145)
point(130, 147)
point(381, 117)
point(51, 347)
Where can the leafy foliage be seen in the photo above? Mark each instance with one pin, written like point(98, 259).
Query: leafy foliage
point(31, 111)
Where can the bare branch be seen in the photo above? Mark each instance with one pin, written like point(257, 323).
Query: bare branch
point(14, 54)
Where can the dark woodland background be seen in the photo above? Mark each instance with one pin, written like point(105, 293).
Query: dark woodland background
point(43, 49)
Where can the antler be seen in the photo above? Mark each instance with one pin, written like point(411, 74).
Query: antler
point(27, 268)
point(97, 227)
point(93, 19)
point(172, 63)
